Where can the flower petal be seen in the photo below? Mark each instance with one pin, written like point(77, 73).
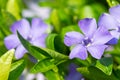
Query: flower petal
point(101, 36)
point(73, 73)
point(115, 34)
point(112, 41)
point(38, 23)
point(22, 26)
point(79, 51)
point(97, 50)
point(73, 38)
point(88, 26)
point(115, 11)
point(38, 27)
point(115, 38)
point(107, 21)
point(11, 41)
point(40, 76)
point(20, 51)
point(40, 41)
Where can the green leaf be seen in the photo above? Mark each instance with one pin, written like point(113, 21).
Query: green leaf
point(105, 65)
point(59, 58)
point(51, 75)
point(98, 9)
point(81, 62)
point(42, 53)
point(14, 8)
point(59, 45)
point(3, 4)
point(64, 16)
point(5, 64)
point(117, 72)
point(50, 40)
point(55, 20)
point(113, 2)
point(32, 51)
point(43, 66)
point(87, 11)
point(48, 3)
point(75, 3)
point(16, 69)
point(2, 48)
point(93, 73)
point(6, 20)
point(7, 17)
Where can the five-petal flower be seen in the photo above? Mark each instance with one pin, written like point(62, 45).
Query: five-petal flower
point(112, 23)
point(92, 40)
point(35, 34)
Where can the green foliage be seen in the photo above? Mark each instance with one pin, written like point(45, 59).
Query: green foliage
point(50, 41)
point(62, 3)
point(53, 60)
point(91, 11)
point(16, 69)
point(117, 72)
point(101, 70)
point(68, 12)
point(3, 4)
point(6, 20)
point(5, 64)
point(113, 2)
point(40, 52)
point(50, 75)
point(13, 6)
point(93, 73)
point(81, 63)
point(32, 51)
point(43, 66)
point(105, 65)
point(48, 59)
point(59, 58)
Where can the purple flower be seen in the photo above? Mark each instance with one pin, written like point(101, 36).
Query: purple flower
point(35, 34)
point(92, 40)
point(73, 74)
point(112, 23)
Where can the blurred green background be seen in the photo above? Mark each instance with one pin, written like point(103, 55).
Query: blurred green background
point(61, 15)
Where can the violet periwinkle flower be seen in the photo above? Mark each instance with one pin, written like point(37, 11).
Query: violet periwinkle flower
point(92, 40)
point(112, 23)
point(73, 74)
point(35, 34)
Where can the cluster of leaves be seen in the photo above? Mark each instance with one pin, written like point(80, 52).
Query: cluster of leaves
point(68, 12)
point(8, 70)
point(8, 15)
point(53, 60)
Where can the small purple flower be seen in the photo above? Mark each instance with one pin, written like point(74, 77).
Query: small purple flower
point(35, 34)
point(112, 23)
point(73, 74)
point(92, 40)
